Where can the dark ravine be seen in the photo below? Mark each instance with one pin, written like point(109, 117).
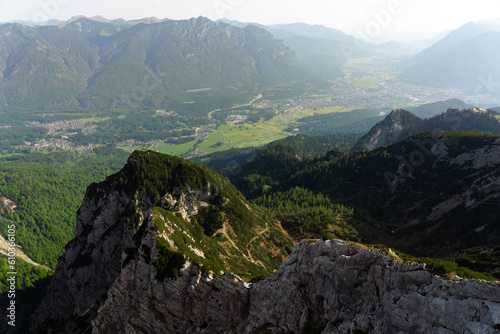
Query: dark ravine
point(323, 287)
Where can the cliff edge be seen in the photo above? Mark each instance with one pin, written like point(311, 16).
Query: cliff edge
point(141, 262)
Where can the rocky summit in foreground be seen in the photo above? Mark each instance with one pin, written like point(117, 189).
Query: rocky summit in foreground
point(326, 287)
point(146, 259)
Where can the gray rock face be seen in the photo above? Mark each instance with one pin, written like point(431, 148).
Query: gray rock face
point(107, 227)
point(398, 125)
point(483, 162)
point(107, 282)
point(344, 288)
point(326, 287)
point(401, 124)
point(90, 264)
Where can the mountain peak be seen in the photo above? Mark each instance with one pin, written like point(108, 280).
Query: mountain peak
point(97, 18)
point(392, 129)
point(400, 124)
point(200, 20)
point(168, 214)
point(400, 114)
point(453, 60)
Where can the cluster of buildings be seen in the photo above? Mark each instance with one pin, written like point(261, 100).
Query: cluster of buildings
point(60, 128)
point(289, 107)
point(44, 144)
point(138, 143)
point(204, 130)
point(236, 119)
point(196, 153)
point(349, 96)
point(166, 113)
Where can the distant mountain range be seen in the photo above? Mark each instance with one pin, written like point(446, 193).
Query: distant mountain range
point(432, 109)
point(186, 65)
point(322, 50)
point(468, 57)
point(197, 64)
point(96, 18)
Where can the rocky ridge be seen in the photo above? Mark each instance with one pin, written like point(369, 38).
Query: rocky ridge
point(486, 184)
point(394, 128)
point(108, 279)
point(401, 124)
point(153, 210)
point(326, 287)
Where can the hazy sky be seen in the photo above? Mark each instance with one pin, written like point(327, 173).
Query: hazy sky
point(383, 18)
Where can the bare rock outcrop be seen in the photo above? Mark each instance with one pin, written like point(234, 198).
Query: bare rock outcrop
point(398, 125)
point(109, 281)
point(326, 287)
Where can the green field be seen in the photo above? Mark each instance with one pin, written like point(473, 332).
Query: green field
point(258, 134)
point(215, 142)
point(242, 135)
point(247, 135)
point(179, 150)
point(327, 110)
point(93, 120)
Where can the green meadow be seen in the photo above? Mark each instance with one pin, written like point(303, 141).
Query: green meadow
point(240, 135)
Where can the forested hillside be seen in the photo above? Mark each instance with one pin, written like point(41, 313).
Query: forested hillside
point(44, 192)
point(423, 207)
point(190, 66)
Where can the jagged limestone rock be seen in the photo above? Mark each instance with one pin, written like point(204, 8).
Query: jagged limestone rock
point(326, 287)
point(107, 282)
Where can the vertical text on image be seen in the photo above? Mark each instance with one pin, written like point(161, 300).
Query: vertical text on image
point(11, 274)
